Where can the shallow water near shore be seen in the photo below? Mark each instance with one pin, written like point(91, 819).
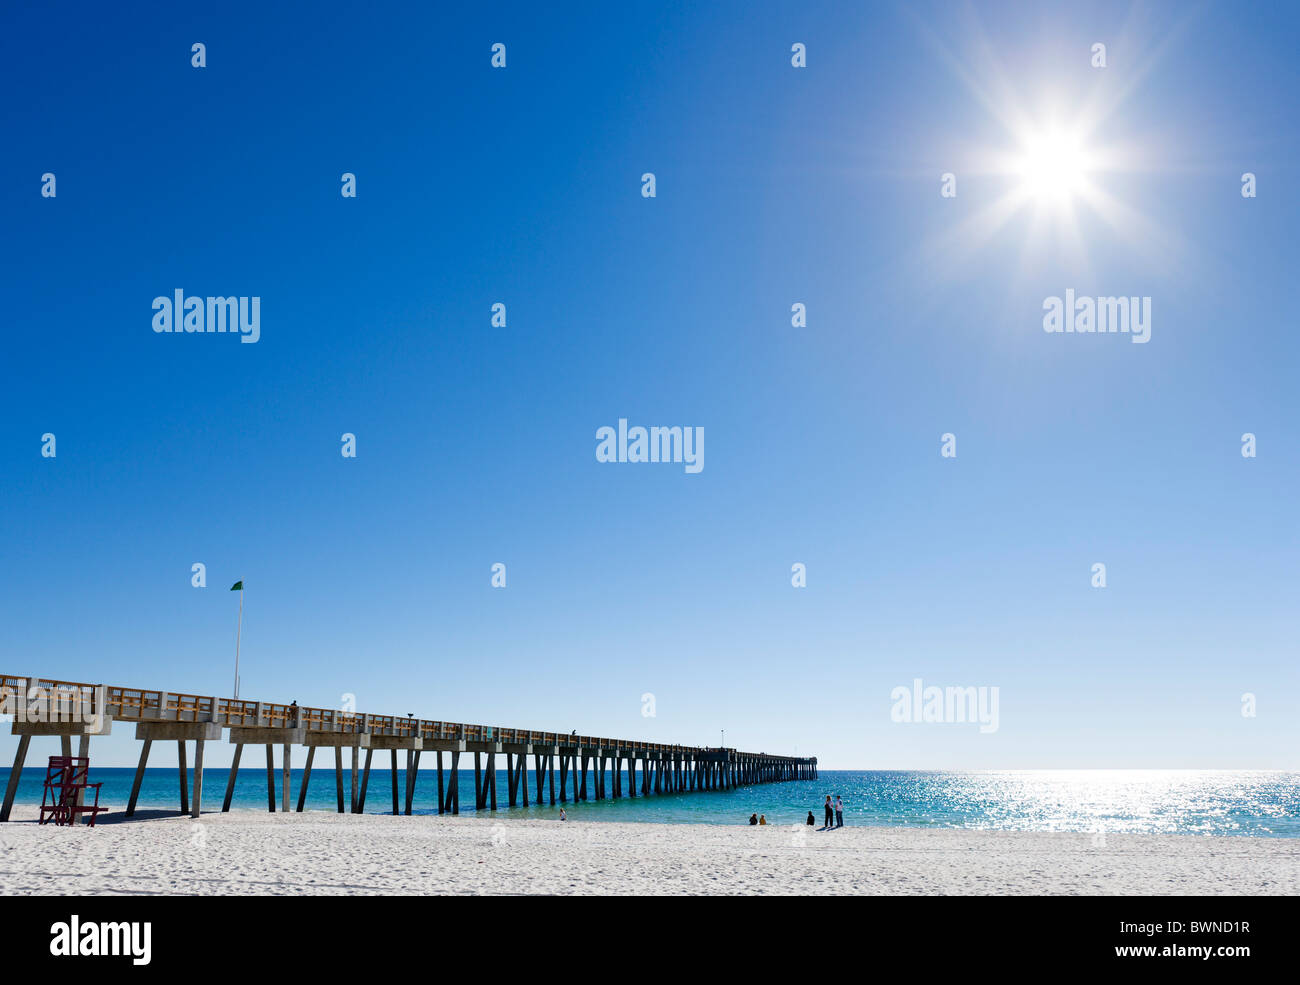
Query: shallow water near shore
point(1245, 803)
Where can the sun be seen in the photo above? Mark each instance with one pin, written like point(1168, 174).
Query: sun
point(1053, 166)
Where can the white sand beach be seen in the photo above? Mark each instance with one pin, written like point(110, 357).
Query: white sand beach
point(252, 852)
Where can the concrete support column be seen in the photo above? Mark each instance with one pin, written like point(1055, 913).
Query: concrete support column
point(455, 783)
point(198, 778)
point(286, 782)
point(365, 782)
point(15, 774)
point(353, 802)
point(338, 774)
point(270, 777)
point(441, 804)
point(230, 782)
point(306, 778)
point(139, 777)
point(412, 779)
point(396, 807)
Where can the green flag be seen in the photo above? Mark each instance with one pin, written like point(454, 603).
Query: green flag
point(237, 586)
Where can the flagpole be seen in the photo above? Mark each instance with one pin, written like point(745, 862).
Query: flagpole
point(238, 631)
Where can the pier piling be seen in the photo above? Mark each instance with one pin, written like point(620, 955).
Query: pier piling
point(306, 778)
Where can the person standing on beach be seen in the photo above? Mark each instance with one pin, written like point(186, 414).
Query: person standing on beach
point(839, 812)
point(830, 814)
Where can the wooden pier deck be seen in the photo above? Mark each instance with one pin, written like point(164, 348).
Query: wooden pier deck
point(64, 709)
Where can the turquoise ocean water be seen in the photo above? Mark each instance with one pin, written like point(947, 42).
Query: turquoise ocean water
point(1258, 804)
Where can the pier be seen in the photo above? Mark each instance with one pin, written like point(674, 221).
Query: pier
point(43, 707)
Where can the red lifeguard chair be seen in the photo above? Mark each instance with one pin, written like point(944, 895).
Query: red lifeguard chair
point(66, 785)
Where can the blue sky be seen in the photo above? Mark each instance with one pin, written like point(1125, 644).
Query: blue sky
point(476, 444)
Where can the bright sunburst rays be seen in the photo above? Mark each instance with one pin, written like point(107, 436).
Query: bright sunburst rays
point(1050, 176)
point(1055, 173)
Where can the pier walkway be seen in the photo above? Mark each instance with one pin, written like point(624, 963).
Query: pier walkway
point(64, 709)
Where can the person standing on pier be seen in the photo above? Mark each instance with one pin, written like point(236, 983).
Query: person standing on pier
point(839, 812)
point(830, 815)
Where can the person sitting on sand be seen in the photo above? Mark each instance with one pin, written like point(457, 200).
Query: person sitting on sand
point(830, 814)
point(762, 819)
point(563, 816)
point(753, 819)
point(811, 820)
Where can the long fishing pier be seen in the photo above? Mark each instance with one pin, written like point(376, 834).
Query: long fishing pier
point(64, 709)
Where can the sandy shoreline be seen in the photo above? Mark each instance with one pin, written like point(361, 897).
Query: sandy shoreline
point(253, 852)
